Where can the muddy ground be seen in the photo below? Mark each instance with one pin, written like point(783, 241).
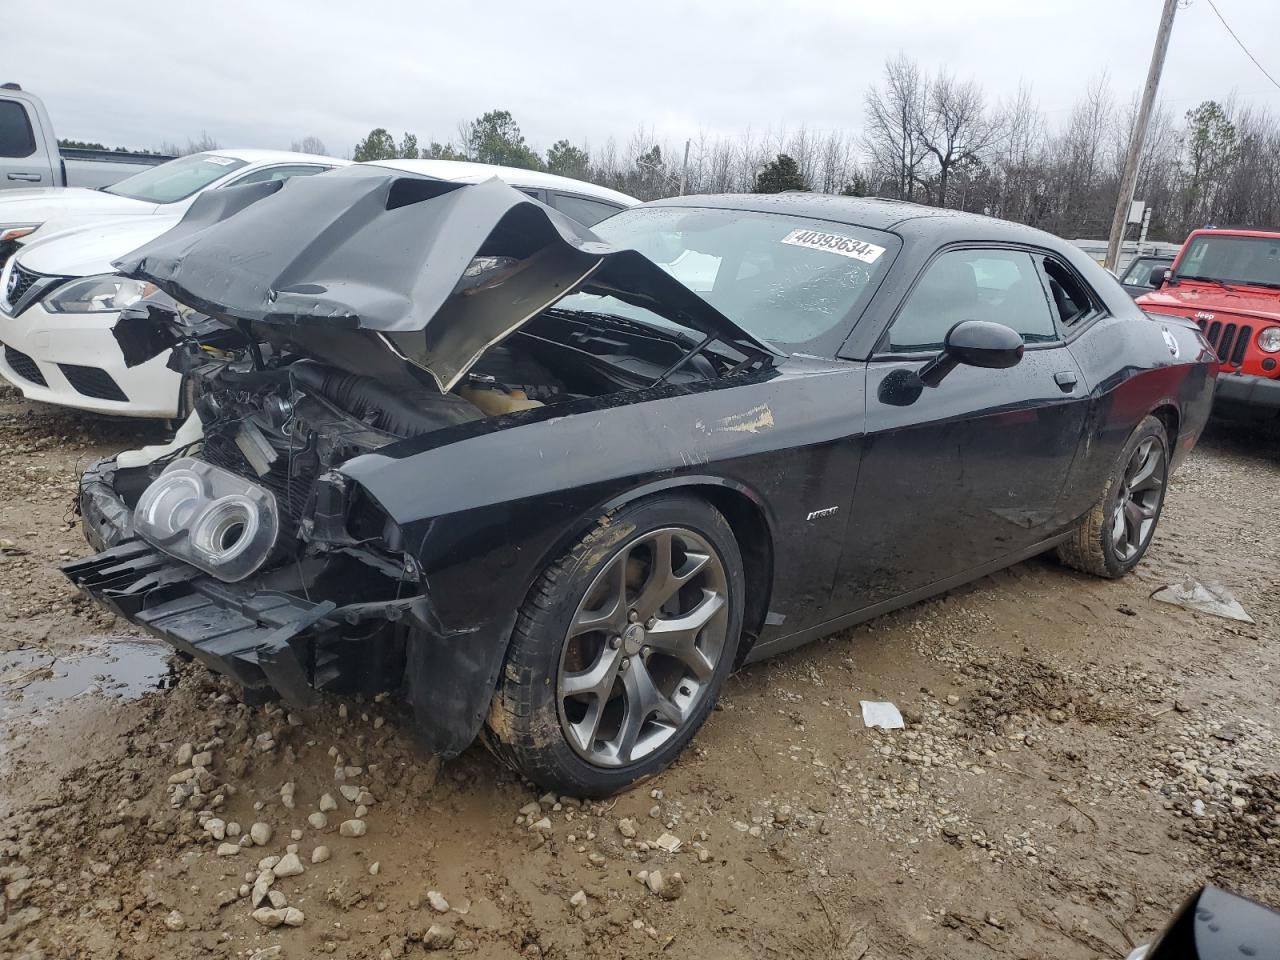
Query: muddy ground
point(1078, 757)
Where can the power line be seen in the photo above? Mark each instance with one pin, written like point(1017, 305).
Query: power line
point(1243, 47)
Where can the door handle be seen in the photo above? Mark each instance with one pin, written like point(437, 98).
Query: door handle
point(29, 177)
point(1065, 379)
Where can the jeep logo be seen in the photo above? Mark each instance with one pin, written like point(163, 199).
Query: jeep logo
point(1204, 315)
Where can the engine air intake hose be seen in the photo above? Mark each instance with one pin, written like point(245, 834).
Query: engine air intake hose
point(406, 411)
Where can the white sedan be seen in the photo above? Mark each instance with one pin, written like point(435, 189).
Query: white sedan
point(59, 296)
point(166, 190)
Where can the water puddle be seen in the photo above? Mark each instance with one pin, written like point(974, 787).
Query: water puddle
point(34, 680)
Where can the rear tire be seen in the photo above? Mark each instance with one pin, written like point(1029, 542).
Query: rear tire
point(1113, 537)
point(621, 649)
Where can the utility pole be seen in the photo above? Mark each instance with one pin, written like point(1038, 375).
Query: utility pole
point(684, 169)
point(1129, 180)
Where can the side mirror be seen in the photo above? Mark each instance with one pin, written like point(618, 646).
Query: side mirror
point(975, 343)
point(1214, 923)
point(1157, 278)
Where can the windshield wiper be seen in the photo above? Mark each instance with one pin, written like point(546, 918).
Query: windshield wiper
point(673, 333)
point(1221, 283)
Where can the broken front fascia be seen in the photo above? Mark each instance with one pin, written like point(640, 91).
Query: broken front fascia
point(406, 259)
point(266, 634)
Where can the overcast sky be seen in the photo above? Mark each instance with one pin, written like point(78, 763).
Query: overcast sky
point(139, 72)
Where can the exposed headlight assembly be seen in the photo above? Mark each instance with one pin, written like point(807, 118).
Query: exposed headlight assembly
point(214, 520)
point(106, 293)
point(1269, 340)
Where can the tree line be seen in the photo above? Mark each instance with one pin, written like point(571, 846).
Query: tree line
point(931, 138)
point(939, 140)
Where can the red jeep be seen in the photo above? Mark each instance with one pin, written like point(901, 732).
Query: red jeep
point(1228, 281)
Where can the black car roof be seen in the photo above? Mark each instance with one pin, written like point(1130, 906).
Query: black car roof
point(911, 221)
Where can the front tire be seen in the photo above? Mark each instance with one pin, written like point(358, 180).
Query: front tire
point(621, 649)
point(1114, 536)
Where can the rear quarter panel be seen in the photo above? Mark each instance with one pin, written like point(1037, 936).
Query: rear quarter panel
point(1131, 370)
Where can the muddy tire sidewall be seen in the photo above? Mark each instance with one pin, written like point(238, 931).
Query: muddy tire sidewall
point(524, 725)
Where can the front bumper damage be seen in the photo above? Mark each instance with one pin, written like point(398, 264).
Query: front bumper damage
point(249, 636)
point(278, 643)
point(268, 641)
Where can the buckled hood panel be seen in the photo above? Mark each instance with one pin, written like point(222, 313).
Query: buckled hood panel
point(391, 254)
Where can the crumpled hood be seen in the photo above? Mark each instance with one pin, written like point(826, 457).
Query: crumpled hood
point(397, 256)
point(1192, 298)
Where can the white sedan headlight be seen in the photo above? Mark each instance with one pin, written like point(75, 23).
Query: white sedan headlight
point(1269, 340)
point(107, 293)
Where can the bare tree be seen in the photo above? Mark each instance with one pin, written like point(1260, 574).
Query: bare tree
point(310, 144)
point(893, 122)
point(953, 127)
point(201, 145)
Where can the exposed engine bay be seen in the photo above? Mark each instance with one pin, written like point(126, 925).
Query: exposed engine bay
point(281, 419)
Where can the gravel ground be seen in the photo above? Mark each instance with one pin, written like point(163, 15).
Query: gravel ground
point(1077, 758)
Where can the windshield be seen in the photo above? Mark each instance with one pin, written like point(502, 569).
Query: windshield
point(787, 280)
point(1231, 259)
point(177, 179)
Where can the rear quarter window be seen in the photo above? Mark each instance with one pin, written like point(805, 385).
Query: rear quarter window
point(16, 136)
point(586, 212)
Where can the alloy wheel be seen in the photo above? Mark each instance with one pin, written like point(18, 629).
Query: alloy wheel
point(1138, 503)
point(643, 646)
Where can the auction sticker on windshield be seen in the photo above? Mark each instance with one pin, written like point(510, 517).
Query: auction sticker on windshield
point(834, 243)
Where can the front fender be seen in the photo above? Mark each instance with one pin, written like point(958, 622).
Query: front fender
point(485, 507)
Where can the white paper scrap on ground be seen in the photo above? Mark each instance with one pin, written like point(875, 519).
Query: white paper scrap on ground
point(882, 714)
point(1212, 598)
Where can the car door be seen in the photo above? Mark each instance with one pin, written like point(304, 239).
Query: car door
point(22, 163)
point(961, 475)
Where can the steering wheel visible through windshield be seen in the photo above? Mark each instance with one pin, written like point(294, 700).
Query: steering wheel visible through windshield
point(787, 280)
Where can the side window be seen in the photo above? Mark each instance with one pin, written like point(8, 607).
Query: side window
point(16, 137)
point(998, 285)
point(1071, 301)
point(586, 212)
point(279, 173)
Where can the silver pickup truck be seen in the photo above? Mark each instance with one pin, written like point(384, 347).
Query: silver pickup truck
point(30, 156)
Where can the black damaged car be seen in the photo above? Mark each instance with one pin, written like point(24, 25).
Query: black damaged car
point(553, 484)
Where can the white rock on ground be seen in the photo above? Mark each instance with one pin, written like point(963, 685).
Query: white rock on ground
point(289, 866)
point(175, 921)
point(320, 854)
point(318, 821)
point(438, 903)
point(260, 833)
point(327, 803)
point(353, 828)
point(272, 917)
point(228, 849)
point(668, 888)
